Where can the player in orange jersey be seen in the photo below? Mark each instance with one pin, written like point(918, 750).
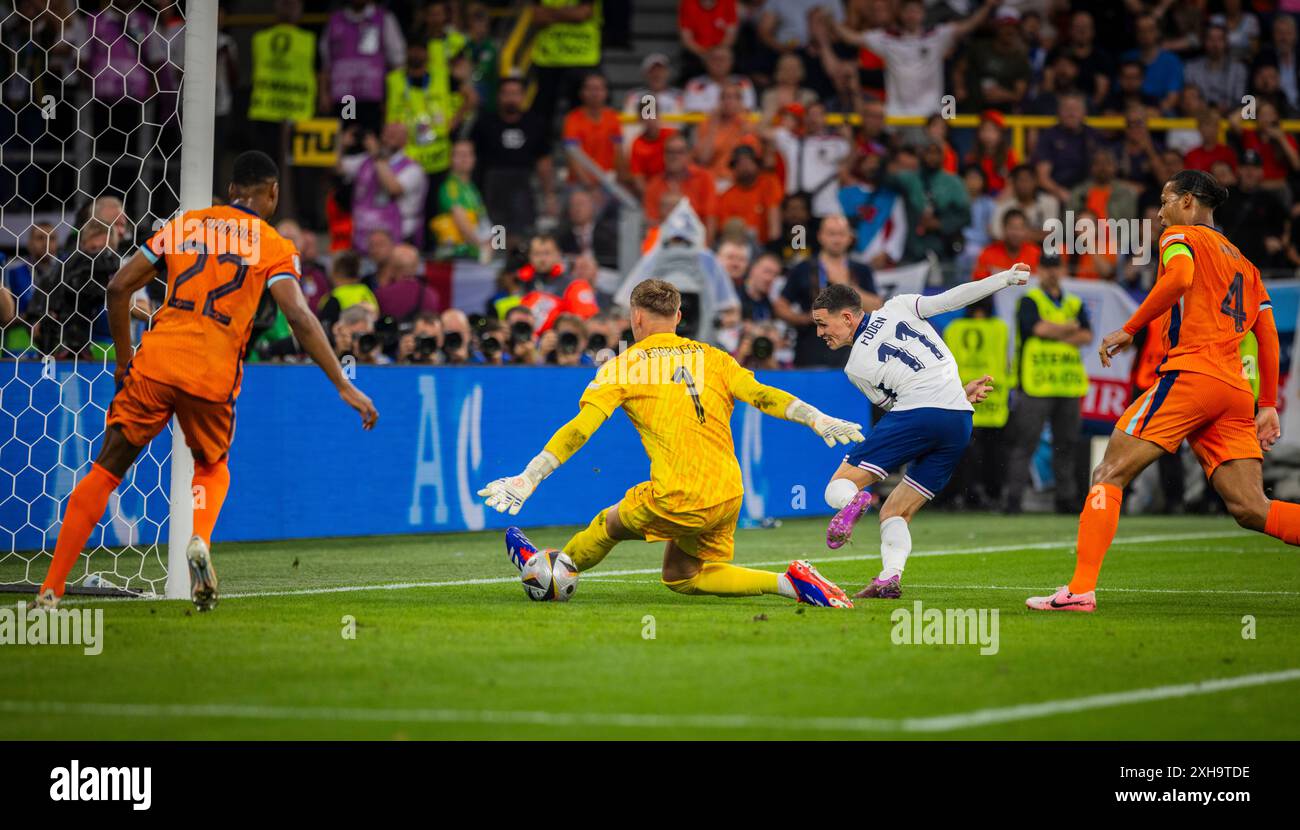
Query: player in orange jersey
point(218, 262)
point(1210, 296)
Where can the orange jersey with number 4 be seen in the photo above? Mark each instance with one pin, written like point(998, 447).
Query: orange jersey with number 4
point(1202, 333)
point(218, 262)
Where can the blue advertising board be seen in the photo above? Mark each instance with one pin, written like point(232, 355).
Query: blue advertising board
point(302, 467)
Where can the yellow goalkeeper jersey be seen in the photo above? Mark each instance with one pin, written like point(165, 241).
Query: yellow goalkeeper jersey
point(679, 395)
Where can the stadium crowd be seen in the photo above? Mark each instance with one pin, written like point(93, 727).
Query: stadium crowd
point(771, 121)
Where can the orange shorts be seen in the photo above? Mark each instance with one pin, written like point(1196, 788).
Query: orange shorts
point(1216, 418)
point(142, 408)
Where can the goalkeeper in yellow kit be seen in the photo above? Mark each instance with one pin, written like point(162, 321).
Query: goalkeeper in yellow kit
point(679, 394)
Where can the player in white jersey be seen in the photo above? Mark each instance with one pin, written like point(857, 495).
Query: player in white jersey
point(903, 366)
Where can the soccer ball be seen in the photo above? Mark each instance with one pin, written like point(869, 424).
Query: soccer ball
point(550, 575)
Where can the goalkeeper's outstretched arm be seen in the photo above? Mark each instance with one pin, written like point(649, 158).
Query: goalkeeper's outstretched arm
point(781, 404)
point(509, 494)
point(972, 292)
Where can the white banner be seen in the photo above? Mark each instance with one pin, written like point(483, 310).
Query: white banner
point(907, 279)
point(1109, 308)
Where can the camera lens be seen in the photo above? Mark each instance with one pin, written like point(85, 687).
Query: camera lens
point(367, 343)
point(628, 337)
point(521, 331)
point(426, 345)
point(568, 342)
point(762, 347)
point(452, 340)
point(491, 346)
point(596, 342)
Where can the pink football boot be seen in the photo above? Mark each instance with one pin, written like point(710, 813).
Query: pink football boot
point(841, 526)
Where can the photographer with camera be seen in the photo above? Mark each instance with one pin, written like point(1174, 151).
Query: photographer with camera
point(423, 343)
point(457, 339)
point(603, 330)
point(494, 339)
point(566, 342)
point(355, 337)
point(758, 346)
point(521, 340)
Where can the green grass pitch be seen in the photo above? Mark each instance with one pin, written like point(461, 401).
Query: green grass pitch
point(471, 657)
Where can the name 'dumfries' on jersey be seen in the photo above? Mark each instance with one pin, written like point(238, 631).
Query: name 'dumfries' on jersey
point(210, 235)
point(77, 783)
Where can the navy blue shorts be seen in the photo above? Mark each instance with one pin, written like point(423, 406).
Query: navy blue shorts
point(930, 442)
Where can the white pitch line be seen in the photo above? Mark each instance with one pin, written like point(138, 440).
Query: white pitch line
point(456, 583)
point(934, 724)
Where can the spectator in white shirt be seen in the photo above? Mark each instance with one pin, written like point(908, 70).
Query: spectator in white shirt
point(914, 55)
point(703, 94)
point(813, 157)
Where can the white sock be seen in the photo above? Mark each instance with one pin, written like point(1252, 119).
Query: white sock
point(895, 545)
point(785, 588)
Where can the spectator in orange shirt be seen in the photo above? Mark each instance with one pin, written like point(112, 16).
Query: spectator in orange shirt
point(724, 130)
point(646, 160)
point(1014, 246)
point(1082, 264)
point(754, 199)
point(595, 128)
point(686, 179)
point(705, 25)
point(992, 152)
point(937, 128)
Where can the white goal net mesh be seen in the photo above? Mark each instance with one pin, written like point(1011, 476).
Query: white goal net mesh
point(91, 148)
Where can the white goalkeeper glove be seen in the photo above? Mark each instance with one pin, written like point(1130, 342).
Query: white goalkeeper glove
point(1017, 274)
point(509, 494)
point(831, 430)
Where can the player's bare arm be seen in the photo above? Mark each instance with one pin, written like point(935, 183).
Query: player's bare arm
point(307, 329)
point(509, 494)
point(1267, 426)
point(130, 278)
point(8, 306)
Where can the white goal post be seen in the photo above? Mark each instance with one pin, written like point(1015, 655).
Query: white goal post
point(198, 111)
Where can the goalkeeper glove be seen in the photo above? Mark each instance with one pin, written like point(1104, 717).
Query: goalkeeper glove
point(509, 494)
point(831, 430)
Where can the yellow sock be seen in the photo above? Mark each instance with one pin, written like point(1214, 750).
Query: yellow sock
point(722, 580)
point(589, 546)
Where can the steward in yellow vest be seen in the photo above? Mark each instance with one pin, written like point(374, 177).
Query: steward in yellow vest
point(419, 96)
point(1051, 365)
point(284, 74)
point(568, 35)
point(981, 345)
point(1053, 327)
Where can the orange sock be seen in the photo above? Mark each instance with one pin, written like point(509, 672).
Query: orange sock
point(211, 483)
point(86, 505)
point(1097, 525)
point(1283, 522)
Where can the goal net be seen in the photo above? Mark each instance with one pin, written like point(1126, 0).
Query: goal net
point(92, 160)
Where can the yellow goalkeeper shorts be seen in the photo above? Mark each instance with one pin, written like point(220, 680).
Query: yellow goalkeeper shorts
point(708, 534)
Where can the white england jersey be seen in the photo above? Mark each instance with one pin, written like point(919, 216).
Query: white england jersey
point(900, 362)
